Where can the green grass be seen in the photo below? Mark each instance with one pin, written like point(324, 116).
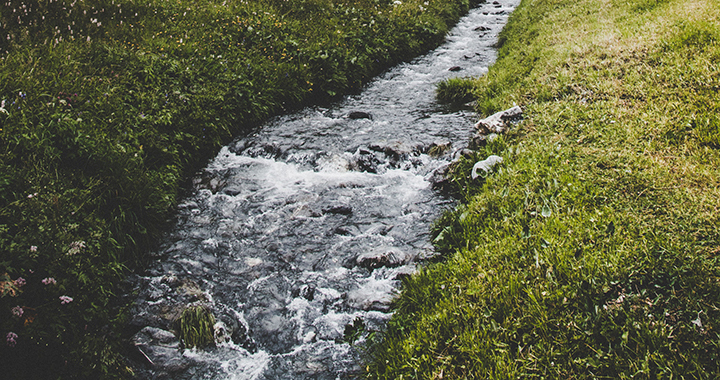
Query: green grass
point(196, 327)
point(109, 105)
point(592, 252)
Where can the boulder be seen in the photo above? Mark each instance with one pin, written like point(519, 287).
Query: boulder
point(498, 122)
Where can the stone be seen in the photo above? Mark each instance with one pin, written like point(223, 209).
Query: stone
point(498, 122)
point(479, 140)
point(382, 257)
point(342, 210)
point(439, 149)
point(359, 115)
point(481, 29)
point(364, 160)
point(485, 165)
point(161, 349)
point(455, 68)
point(438, 177)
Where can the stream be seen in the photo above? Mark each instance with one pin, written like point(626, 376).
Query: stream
point(293, 233)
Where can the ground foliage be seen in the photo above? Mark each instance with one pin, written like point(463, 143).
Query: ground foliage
point(592, 251)
point(108, 105)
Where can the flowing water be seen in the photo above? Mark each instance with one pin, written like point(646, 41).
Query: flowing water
point(305, 227)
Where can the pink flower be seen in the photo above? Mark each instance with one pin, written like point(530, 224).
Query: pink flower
point(49, 281)
point(76, 247)
point(19, 282)
point(65, 299)
point(10, 337)
point(33, 248)
point(17, 311)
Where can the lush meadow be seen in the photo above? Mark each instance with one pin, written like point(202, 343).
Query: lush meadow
point(592, 251)
point(109, 105)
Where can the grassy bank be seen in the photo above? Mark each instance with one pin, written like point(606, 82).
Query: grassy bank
point(592, 251)
point(108, 105)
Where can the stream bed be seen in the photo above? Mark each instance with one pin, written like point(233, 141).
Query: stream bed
point(307, 226)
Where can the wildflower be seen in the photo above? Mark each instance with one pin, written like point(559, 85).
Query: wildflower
point(65, 299)
point(17, 311)
point(33, 248)
point(10, 338)
point(49, 281)
point(30, 196)
point(2, 107)
point(20, 282)
point(76, 247)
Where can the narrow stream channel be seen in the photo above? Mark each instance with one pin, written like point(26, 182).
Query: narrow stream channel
point(295, 232)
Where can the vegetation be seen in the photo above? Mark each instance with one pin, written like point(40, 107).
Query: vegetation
point(196, 327)
point(455, 91)
point(108, 105)
point(592, 252)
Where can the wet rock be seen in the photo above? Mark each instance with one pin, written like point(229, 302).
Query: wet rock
point(439, 149)
point(481, 28)
point(455, 68)
point(232, 191)
point(342, 210)
point(404, 271)
point(466, 153)
point(359, 115)
point(379, 229)
point(382, 257)
point(438, 177)
point(161, 349)
point(347, 231)
point(364, 161)
point(498, 122)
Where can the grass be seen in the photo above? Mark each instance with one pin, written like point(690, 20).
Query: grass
point(592, 252)
point(107, 106)
point(196, 327)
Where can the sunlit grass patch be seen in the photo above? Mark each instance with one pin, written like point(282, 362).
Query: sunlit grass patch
point(592, 252)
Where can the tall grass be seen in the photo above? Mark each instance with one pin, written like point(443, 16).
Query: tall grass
point(107, 107)
point(592, 252)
